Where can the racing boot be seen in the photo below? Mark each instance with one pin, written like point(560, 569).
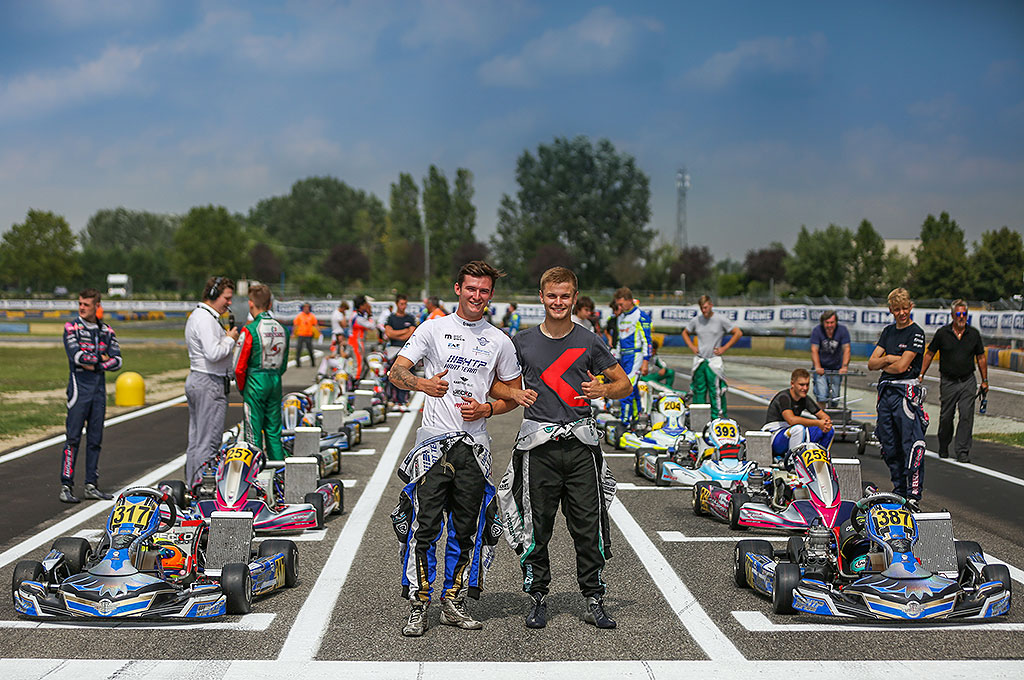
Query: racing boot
point(417, 623)
point(538, 616)
point(67, 496)
point(455, 613)
point(595, 614)
point(92, 493)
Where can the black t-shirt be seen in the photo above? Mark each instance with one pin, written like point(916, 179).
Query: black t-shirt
point(556, 368)
point(783, 401)
point(399, 322)
point(956, 357)
point(899, 340)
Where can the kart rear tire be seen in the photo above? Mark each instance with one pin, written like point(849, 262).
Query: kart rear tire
point(617, 429)
point(291, 557)
point(341, 493)
point(787, 578)
point(965, 549)
point(744, 548)
point(659, 469)
point(177, 491)
point(794, 546)
point(697, 508)
point(26, 570)
point(636, 463)
point(862, 441)
point(997, 572)
point(735, 503)
point(236, 584)
point(317, 501)
point(77, 551)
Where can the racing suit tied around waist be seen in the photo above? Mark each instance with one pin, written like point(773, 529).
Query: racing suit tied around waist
point(708, 384)
point(447, 475)
point(900, 429)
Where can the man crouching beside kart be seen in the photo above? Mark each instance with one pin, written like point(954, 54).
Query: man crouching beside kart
point(790, 428)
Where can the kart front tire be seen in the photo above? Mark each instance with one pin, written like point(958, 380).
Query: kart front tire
point(236, 584)
point(317, 501)
point(617, 430)
point(291, 558)
point(744, 548)
point(965, 549)
point(862, 441)
point(794, 546)
point(340, 489)
point(77, 551)
point(26, 570)
point(737, 501)
point(787, 578)
point(659, 468)
point(997, 572)
point(636, 464)
point(697, 508)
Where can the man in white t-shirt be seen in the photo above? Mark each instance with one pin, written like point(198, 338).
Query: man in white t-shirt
point(447, 474)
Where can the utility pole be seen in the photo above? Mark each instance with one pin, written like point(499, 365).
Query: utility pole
point(682, 185)
point(426, 260)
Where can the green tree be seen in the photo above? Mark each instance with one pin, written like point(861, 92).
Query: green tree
point(766, 264)
point(867, 271)
point(998, 264)
point(897, 271)
point(590, 199)
point(134, 242)
point(209, 242)
point(347, 264)
point(821, 261)
point(437, 208)
point(942, 269)
point(36, 253)
point(405, 234)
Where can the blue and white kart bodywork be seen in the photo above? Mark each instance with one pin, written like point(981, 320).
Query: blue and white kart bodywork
point(867, 569)
point(717, 456)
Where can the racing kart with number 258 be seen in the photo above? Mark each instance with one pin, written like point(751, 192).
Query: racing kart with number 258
point(135, 572)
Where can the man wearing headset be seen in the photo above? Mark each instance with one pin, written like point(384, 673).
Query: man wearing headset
point(206, 388)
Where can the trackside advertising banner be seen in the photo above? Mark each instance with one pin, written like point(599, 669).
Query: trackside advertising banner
point(789, 319)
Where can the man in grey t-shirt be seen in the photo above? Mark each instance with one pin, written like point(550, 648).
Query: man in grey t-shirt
point(707, 386)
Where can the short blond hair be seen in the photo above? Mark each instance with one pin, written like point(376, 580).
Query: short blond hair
point(559, 275)
point(899, 298)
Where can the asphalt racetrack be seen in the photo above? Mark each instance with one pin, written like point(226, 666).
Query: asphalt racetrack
point(670, 582)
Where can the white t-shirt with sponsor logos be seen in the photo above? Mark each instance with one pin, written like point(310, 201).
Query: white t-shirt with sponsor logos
point(474, 352)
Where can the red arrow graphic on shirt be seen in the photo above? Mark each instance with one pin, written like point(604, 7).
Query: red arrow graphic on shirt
point(552, 376)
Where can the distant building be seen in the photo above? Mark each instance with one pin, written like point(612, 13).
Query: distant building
point(903, 246)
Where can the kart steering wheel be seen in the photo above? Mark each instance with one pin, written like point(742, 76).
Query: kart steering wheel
point(868, 502)
point(159, 497)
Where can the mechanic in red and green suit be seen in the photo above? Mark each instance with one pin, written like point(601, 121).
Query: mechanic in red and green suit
point(259, 365)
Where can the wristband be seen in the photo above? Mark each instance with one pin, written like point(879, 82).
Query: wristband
point(492, 410)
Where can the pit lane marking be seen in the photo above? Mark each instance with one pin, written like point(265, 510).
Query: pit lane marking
point(1015, 573)
point(679, 537)
point(757, 622)
point(382, 428)
point(307, 632)
point(698, 624)
point(248, 622)
point(360, 452)
point(630, 486)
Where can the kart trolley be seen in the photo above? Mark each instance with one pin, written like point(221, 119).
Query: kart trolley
point(838, 409)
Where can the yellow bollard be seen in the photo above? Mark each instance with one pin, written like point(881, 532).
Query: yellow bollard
point(130, 389)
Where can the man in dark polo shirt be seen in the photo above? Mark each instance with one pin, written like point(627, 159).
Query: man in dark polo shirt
point(959, 347)
point(557, 459)
point(398, 328)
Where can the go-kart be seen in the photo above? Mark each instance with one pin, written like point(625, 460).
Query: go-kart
point(240, 487)
point(137, 572)
point(717, 456)
point(298, 410)
point(804, 490)
point(867, 568)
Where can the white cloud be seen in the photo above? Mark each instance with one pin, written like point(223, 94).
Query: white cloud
point(76, 14)
point(439, 23)
point(938, 111)
point(762, 56)
point(110, 73)
point(600, 42)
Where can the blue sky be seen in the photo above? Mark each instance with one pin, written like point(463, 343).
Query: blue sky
point(784, 113)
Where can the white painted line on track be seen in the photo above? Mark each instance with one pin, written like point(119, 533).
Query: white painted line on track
point(32, 448)
point(349, 483)
point(382, 428)
point(89, 511)
point(630, 486)
point(930, 454)
point(314, 617)
point(249, 622)
point(360, 452)
point(38, 669)
point(619, 455)
point(757, 622)
point(308, 535)
point(679, 537)
point(698, 624)
point(1015, 573)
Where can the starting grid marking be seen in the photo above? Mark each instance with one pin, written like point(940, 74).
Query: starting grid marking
point(757, 622)
point(679, 537)
point(249, 622)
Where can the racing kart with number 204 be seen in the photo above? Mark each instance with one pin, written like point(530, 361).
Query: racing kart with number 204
point(866, 568)
point(137, 572)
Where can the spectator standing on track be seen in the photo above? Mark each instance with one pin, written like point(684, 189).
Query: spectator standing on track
point(433, 308)
point(633, 349)
point(305, 327)
point(959, 347)
point(447, 475)
point(360, 322)
point(611, 326)
point(92, 350)
point(382, 321)
point(657, 370)
point(339, 325)
point(260, 362)
point(785, 417)
point(830, 351)
point(206, 388)
point(708, 382)
point(557, 459)
point(901, 417)
point(398, 328)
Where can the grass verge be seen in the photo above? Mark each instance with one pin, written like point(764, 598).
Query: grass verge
point(46, 368)
point(1011, 438)
point(23, 417)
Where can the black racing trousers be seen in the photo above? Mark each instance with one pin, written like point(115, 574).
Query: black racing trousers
point(564, 473)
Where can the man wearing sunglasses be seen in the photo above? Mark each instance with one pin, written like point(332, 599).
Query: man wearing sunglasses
point(960, 348)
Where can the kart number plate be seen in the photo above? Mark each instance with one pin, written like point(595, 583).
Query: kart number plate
point(672, 405)
point(240, 454)
point(726, 432)
point(888, 519)
point(137, 514)
point(811, 456)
